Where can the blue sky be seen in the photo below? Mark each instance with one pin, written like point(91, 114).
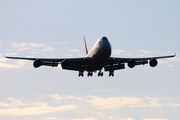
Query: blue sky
point(55, 29)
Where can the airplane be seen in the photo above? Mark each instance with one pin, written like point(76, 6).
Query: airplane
point(95, 60)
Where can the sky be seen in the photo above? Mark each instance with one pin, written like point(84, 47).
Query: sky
point(55, 29)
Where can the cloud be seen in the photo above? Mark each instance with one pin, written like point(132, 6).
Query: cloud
point(58, 103)
point(174, 59)
point(129, 118)
point(11, 54)
point(116, 102)
point(39, 110)
point(19, 45)
point(74, 50)
point(55, 118)
point(173, 105)
point(17, 64)
point(101, 115)
point(16, 107)
point(52, 118)
point(103, 90)
point(154, 119)
point(117, 52)
point(3, 104)
point(91, 118)
point(36, 45)
point(57, 98)
point(145, 51)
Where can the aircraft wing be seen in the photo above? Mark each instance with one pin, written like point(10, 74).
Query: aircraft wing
point(67, 63)
point(132, 62)
point(125, 60)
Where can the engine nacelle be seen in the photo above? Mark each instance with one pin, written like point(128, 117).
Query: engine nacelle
point(153, 62)
point(37, 63)
point(64, 64)
point(131, 63)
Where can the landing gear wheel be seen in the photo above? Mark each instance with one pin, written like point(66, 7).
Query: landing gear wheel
point(100, 74)
point(90, 74)
point(81, 74)
point(111, 73)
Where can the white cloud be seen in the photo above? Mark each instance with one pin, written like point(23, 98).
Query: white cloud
point(173, 105)
point(91, 118)
point(21, 46)
point(101, 115)
point(36, 45)
point(74, 50)
point(18, 45)
point(154, 119)
point(11, 54)
point(117, 52)
point(145, 51)
point(3, 104)
point(17, 64)
point(116, 102)
point(129, 118)
point(103, 90)
point(57, 98)
point(52, 118)
point(174, 59)
point(47, 49)
point(17, 107)
point(39, 110)
point(110, 118)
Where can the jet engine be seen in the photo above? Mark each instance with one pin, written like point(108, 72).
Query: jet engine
point(153, 62)
point(37, 63)
point(131, 63)
point(64, 64)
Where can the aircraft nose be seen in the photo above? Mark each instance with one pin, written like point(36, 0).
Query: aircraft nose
point(104, 38)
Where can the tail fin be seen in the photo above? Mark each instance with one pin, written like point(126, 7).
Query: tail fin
point(85, 47)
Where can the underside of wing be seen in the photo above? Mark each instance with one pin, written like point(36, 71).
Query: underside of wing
point(66, 63)
point(118, 63)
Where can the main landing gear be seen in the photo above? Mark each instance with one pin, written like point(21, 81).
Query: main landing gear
point(111, 73)
point(90, 74)
point(100, 73)
point(81, 74)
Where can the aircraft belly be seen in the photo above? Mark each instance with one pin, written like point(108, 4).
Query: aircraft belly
point(99, 59)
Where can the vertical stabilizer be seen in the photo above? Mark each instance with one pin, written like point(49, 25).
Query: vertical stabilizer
point(85, 47)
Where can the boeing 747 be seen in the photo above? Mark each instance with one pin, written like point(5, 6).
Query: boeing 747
point(95, 60)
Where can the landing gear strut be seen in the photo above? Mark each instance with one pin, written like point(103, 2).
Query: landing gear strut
point(111, 73)
point(100, 73)
point(81, 74)
point(90, 74)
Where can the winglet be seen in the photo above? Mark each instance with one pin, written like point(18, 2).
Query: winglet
point(5, 56)
point(85, 47)
point(174, 54)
